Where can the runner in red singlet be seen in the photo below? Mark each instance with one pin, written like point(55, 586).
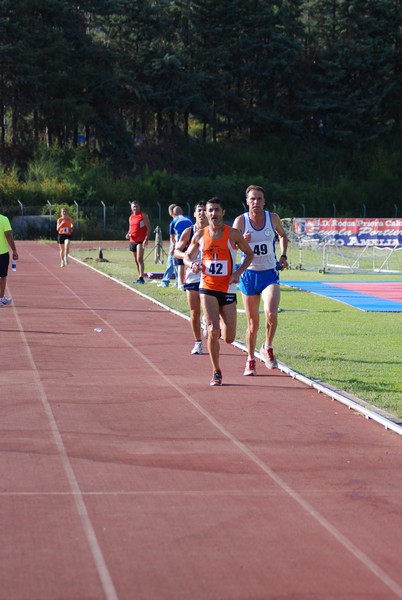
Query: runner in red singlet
point(138, 234)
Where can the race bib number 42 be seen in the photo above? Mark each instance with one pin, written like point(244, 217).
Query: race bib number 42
point(217, 268)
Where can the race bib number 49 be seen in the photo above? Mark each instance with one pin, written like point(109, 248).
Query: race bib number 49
point(217, 268)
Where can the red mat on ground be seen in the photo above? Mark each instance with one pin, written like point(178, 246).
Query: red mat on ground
point(388, 290)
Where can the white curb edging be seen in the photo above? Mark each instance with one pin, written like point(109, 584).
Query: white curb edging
point(386, 421)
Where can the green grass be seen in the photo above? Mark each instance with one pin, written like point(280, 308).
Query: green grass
point(353, 351)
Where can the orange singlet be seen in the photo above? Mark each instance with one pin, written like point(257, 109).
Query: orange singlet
point(66, 227)
point(218, 262)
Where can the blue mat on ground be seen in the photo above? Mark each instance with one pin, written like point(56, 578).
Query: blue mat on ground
point(362, 301)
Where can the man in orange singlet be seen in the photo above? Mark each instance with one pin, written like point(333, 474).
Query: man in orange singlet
point(138, 234)
point(218, 244)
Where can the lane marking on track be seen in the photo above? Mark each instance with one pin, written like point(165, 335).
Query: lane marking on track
point(363, 558)
point(107, 583)
point(268, 493)
point(100, 563)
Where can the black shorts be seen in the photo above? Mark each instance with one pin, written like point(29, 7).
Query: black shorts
point(178, 262)
point(133, 246)
point(4, 263)
point(62, 237)
point(192, 287)
point(222, 297)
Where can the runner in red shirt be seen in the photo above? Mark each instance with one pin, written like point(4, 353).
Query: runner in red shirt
point(138, 234)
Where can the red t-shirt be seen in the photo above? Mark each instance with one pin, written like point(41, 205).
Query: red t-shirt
point(137, 228)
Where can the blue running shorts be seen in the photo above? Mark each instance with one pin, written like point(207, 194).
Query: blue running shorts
point(252, 283)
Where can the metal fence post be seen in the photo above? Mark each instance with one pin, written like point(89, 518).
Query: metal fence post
point(50, 219)
point(104, 215)
point(78, 215)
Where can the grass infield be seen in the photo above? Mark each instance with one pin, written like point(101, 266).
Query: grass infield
point(353, 351)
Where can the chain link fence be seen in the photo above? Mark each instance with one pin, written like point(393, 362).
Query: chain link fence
point(94, 222)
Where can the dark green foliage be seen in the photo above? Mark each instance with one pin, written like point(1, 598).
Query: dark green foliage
point(173, 101)
point(353, 58)
point(117, 73)
point(314, 183)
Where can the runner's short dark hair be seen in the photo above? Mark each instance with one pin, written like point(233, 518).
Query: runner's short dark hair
point(215, 200)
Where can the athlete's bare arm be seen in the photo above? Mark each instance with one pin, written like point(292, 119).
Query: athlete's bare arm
point(192, 251)
point(238, 223)
point(238, 241)
point(283, 239)
point(182, 243)
point(148, 226)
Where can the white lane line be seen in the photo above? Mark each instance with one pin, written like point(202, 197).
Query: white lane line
point(100, 563)
point(161, 492)
point(308, 508)
point(363, 558)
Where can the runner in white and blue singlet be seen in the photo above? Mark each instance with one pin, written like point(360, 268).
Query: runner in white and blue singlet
point(261, 229)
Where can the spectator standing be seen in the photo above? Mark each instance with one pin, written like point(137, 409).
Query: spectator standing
point(138, 233)
point(261, 229)
point(6, 242)
point(171, 268)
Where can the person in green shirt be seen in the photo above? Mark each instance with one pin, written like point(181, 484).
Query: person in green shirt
point(6, 241)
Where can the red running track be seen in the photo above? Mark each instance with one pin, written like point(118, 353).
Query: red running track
point(125, 476)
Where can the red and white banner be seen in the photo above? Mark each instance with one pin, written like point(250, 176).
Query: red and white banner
point(350, 232)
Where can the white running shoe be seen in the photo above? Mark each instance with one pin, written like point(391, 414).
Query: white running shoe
point(268, 357)
point(204, 327)
point(62, 263)
point(66, 261)
point(250, 367)
point(197, 348)
point(5, 300)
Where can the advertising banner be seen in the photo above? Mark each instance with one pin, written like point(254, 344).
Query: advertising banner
point(350, 232)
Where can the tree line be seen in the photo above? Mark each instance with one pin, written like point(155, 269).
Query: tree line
point(111, 73)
